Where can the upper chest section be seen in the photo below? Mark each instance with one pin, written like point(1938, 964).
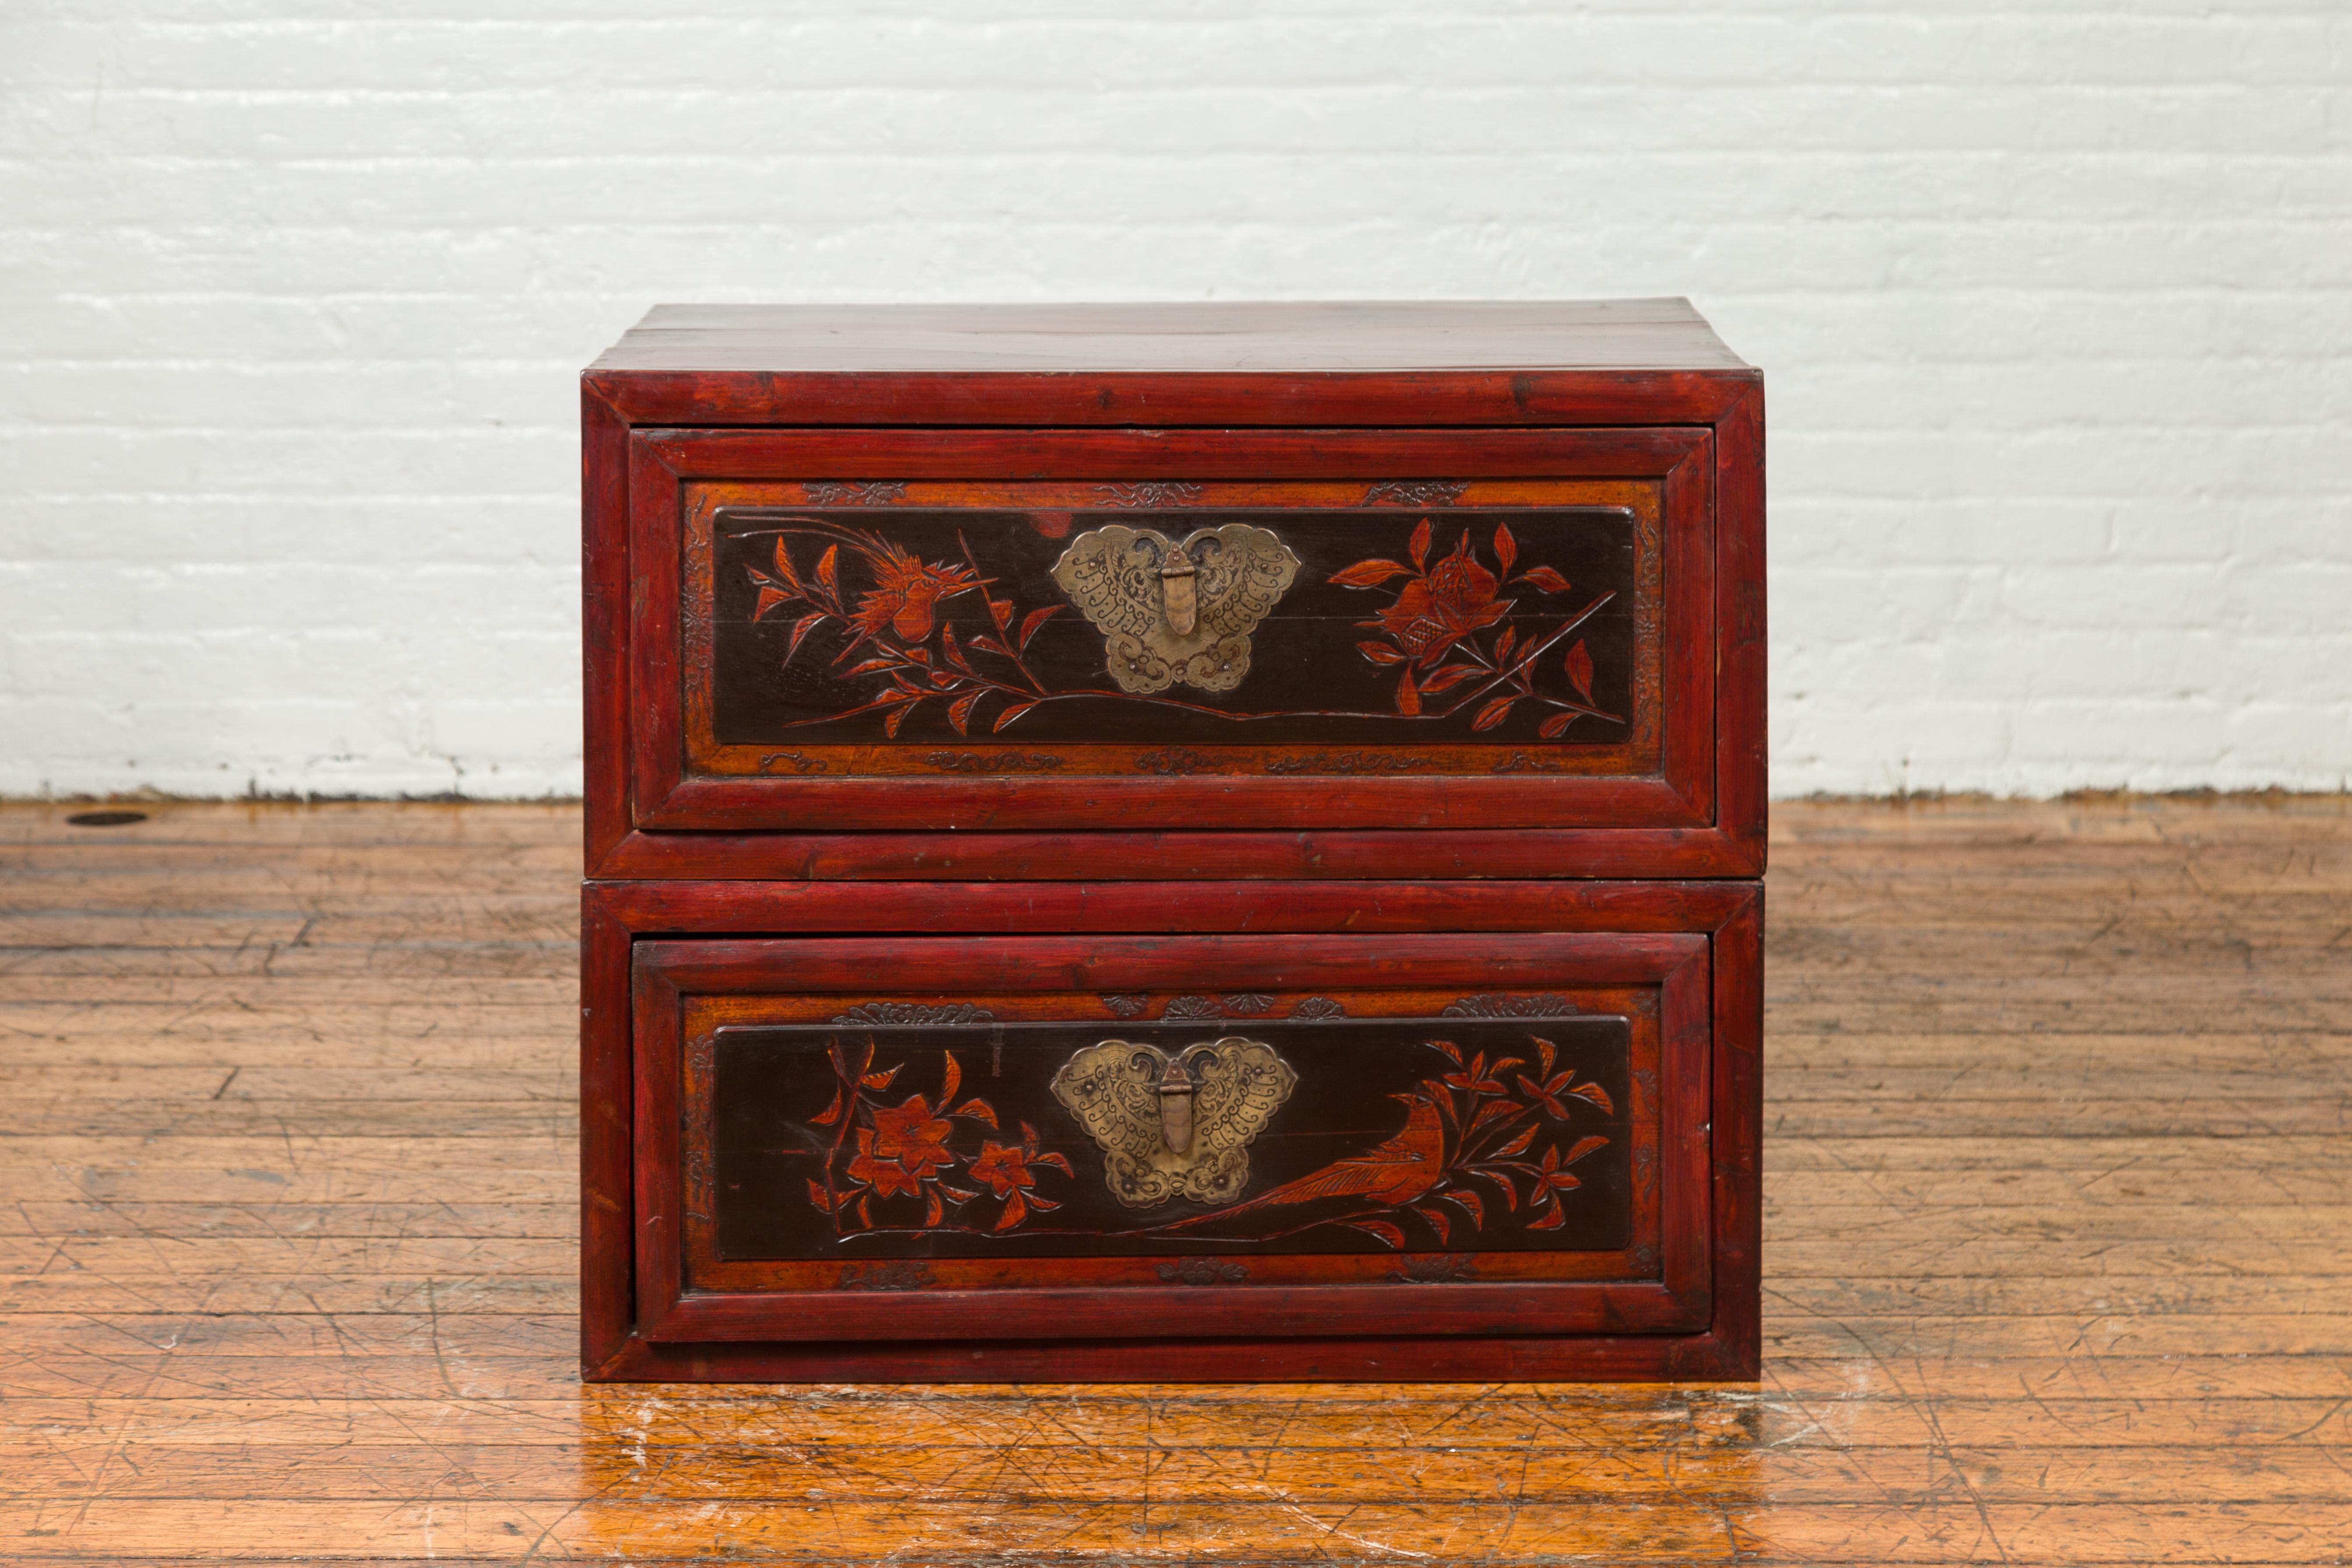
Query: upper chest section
point(1398, 600)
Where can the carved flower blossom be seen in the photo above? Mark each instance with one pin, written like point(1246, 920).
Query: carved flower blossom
point(906, 594)
point(906, 1145)
point(1003, 1168)
point(1010, 1172)
point(1434, 612)
point(885, 1176)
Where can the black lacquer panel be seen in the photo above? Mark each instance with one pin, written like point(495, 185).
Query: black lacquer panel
point(929, 1138)
point(1295, 625)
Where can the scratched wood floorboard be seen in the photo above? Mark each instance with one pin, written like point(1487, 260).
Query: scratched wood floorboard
point(2059, 1238)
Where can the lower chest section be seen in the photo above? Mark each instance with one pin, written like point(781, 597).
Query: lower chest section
point(1061, 1142)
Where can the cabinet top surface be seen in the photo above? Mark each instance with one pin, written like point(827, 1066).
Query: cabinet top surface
point(1146, 339)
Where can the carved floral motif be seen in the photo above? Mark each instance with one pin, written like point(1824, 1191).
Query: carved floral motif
point(1491, 1141)
point(902, 1155)
point(853, 492)
point(1502, 1005)
point(1175, 760)
point(1414, 492)
point(994, 762)
point(919, 632)
point(1449, 626)
point(909, 1274)
point(1149, 492)
point(1346, 763)
point(916, 1012)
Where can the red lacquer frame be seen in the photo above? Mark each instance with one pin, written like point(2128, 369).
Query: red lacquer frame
point(636, 1327)
point(1700, 435)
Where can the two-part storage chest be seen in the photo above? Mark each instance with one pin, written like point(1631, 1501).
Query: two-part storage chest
point(1166, 842)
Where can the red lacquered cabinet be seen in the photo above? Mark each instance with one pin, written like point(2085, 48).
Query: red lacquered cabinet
point(1205, 842)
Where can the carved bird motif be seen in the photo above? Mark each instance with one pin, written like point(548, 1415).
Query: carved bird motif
point(1397, 1172)
point(1176, 612)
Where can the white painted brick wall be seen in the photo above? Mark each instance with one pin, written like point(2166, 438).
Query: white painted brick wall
point(2056, 298)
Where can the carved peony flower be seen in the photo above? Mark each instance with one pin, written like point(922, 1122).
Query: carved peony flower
point(906, 1145)
point(906, 594)
point(1438, 610)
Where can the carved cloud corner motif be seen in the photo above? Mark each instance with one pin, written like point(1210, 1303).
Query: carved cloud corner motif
point(1176, 612)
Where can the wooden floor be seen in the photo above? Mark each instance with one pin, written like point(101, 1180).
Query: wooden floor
point(2058, 1240)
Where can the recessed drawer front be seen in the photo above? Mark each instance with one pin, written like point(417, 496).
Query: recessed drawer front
point(1045, 1137)
point(1311, 1142)
point(1013, 632)
point(1041, 630)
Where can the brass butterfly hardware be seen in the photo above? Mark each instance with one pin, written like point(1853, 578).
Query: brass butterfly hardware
point(1174, 1126)
point(1176, 612)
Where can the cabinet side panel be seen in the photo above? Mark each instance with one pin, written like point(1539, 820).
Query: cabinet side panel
point(603, 624)
point(1740, 628)
point(607, 1244)
point(1736, 1137)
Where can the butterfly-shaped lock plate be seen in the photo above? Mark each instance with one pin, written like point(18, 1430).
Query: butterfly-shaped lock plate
point(1176, 1126)
point(1176, 612)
